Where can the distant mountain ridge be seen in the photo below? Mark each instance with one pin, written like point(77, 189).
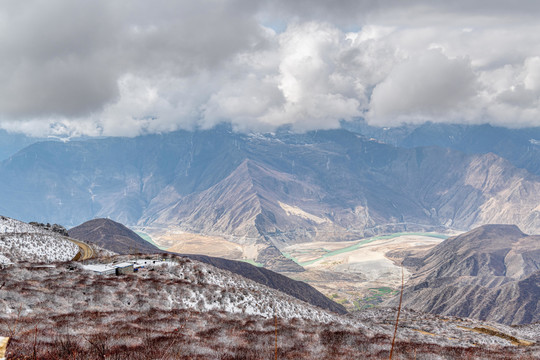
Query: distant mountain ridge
point(11, 143)
point(270, 190)
point(520, 146)
point(490, 273)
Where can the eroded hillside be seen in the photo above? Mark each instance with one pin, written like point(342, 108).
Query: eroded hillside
point(491, 272)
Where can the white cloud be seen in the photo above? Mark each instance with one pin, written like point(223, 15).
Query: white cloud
point(532, 74)
point(303, 84)
point(132, 67)
point(428, 87)
point(513, 94)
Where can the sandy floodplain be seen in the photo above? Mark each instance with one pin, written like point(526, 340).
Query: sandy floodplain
point(358, 273)
point(188, 243)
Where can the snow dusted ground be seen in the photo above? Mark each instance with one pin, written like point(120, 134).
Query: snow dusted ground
point(215, 307)
point(187, 284)
point(20, 241)
point(446, 330)
point(8, 225)
point(4, 260)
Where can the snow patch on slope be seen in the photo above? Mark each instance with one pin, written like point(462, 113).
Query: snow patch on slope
point(4, 260)
point(20, 241)
point(8, 225)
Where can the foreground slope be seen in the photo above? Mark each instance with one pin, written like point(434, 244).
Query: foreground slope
point(492, 272)
point(183, 309)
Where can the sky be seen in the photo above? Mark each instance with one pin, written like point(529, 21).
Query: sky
point(129, 67)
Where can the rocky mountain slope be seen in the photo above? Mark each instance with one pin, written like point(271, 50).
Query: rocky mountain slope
point(297, 289)
point(492, 272)
point(20, 241)
point(268, 190)
point(116, 237)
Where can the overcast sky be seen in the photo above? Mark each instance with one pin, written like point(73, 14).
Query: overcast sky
point(128, 67)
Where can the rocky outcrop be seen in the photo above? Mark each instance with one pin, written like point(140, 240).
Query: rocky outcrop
point(59, 229)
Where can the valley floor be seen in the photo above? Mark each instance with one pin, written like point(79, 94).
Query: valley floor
point(358, 274)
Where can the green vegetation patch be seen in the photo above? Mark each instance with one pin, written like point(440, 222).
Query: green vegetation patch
point(252, 262)
point(374, 298)
point(384, 290)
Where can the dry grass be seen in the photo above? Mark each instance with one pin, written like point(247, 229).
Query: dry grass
point(76, 315)
point(187, 334)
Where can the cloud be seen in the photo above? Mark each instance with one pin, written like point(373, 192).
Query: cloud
point(427, 87)
point(302, 85)
point(105, 67)
point(513, 96)
point(50, 63)
point(67, 58)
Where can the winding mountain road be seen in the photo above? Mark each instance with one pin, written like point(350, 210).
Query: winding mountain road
point(85, 252)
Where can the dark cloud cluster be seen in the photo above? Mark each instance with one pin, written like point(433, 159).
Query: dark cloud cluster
point(128, 67)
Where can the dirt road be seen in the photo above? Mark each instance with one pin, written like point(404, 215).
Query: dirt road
point(85, 251)
point(3, 345)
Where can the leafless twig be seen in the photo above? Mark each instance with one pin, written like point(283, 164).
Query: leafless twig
point(399, 311)
point(275, 326)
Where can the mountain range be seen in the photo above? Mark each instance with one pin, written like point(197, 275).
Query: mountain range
point(267, 190)
point(521, 146)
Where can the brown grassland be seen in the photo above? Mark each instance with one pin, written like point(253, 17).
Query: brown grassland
point(63, 312)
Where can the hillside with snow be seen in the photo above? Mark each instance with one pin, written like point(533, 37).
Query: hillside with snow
point(20, 241)
point(178, 283)
point(177, 308)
